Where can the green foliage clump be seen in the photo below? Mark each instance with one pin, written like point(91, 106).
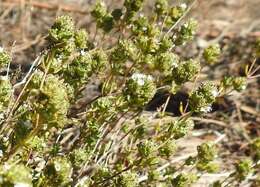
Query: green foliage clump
point(140, 89)
point(145, 148)
point(52, 100)
point(69, 137)
point(202, 98)
point(103, 17)
point(168, 61)
point(15, 175)
point(243, 168)
point(180, 128)
point(161, 7)
point(212, 53)
point(5, 93)
point(57, 172)
point(255, 149)
point(234, 83)
point(81, 39)
point(5, 58)
point(127, 179)
point(185, 71)
point(62, 30)
point(183, 180)
point(186, 32)
point(206, 154)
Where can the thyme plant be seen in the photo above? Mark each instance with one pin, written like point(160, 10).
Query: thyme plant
point(49, 138)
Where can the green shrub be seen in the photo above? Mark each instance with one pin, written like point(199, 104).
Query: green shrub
point(110, 142)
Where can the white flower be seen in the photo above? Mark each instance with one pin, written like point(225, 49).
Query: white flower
point(22, 185)
point(140, 78)
point(57, 166)
point(82, 52)
point(183, 6)
point(215, 92)
point(158, 6)
point(1, 49)
point(206, 109)
point(243, 87)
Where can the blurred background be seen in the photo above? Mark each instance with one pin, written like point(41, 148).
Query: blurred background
point(24, 23)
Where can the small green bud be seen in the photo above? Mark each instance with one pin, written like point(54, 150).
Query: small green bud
point(183, 180)
point(58, 172)
point(99, 11)
point(243, 168)
point(127, 179)
point(5, 93)
point(37, 144)
point(145, 148)
point(161, 7)
point(5, 58)
point(190, 161)
point(62, 30)
point(140, 26)
point(201, 99)
point(212, 53)
point(81, 39)
point(105, 106)
point(177, 12)
point(23, 126)
point(185, 71)
point(139, 89)
point(239, 83)
point(168, 149)
point(209, 167)
point(99, 60)
point(165, 44)
point(186, 32)
point(78, 156)
point(153, 175)
point(226, 82)
point(206, 152)
point(122, 52)
point(166, 62)
point(51, 102)
point(15, 175)
point(180, 128)
point(79, 70)
point(147, 44)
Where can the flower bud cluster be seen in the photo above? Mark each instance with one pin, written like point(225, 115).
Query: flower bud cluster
point(103, 18)
point(5, 58)
point(185, 71)
point(206, 154)
point(15, 175)
point(212, 53)
point(52, 100)
point(57, 172)
point(201, 99)
point(5, 93)
point(139, 90)
point(234, 83)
